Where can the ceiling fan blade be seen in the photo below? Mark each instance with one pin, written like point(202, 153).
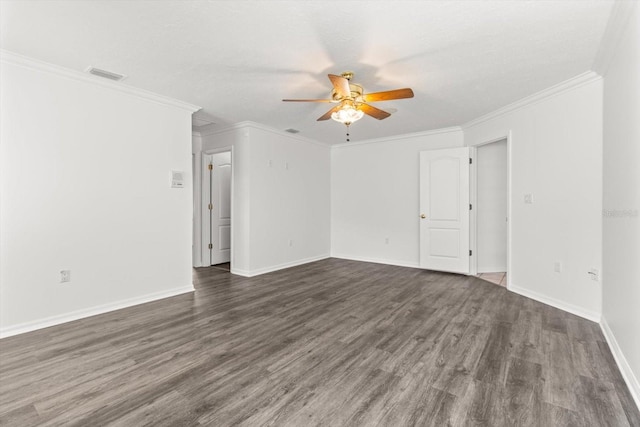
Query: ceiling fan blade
point(327, 115)
point(308, 100)
point(341, 85)
point(374, 112)
point(388, 95)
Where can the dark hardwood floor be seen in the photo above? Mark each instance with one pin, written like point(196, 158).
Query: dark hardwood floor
point(335, 342)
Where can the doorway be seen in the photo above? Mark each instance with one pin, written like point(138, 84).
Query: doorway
point(491, 212)
point(216, 209)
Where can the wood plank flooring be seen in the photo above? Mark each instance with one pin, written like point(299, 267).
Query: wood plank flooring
point(331, 343)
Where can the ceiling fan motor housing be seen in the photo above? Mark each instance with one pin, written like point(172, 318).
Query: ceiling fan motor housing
point(356, 93)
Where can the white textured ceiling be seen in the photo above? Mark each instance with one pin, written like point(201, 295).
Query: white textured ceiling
point(238, 59)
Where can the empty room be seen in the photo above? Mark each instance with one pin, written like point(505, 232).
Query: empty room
point(319, 213)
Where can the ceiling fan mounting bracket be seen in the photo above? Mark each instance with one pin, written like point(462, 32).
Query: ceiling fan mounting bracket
point(347, 75)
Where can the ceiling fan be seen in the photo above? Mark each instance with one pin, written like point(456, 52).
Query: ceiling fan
point(352, 102)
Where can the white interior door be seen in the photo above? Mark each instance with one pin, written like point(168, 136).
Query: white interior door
point(444, 210)
point(217, 209)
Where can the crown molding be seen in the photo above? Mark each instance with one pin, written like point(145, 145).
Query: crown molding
point(283, 133)
point(572, 83)
point(225, 128)
point(399, 137)
point(209, 132)
point(254, 125)
point(616, 26)
point(12, 58)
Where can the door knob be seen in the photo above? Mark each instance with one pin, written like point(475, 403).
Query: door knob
point(423, 216)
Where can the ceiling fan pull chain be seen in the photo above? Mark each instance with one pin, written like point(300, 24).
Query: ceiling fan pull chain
point(347, 132)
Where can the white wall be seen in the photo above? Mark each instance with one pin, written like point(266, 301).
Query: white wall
point(491, 207)
point(556, 156)
point(375, 196)
point(85, 186)
point(280, 198)
point(621, 275)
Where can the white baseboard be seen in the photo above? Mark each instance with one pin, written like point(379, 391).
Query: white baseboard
point(377, 260)
point(562, 305)
point(87, 312)
point(264, 270)
point(240, 272)
point(623, 365)
point(494, 269)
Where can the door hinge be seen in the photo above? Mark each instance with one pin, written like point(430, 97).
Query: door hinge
point(210, 167)
point(470, 252)
point(470, 206)
point(210, 206)
point(470, 161)
point(210, 245)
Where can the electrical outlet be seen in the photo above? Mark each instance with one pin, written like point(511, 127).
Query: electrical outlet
point(65, 276)
point(557, 267)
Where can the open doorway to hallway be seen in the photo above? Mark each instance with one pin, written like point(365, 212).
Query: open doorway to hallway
point(492, 212)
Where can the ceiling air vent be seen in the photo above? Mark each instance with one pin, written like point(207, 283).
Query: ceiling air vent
point(105, 74)
point(292, 130)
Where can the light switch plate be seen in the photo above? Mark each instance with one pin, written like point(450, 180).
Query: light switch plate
point(177, 179)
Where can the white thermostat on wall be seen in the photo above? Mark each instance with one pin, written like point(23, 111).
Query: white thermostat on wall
point(177, 179)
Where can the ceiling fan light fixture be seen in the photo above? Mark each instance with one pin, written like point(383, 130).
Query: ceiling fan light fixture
point(347, 115)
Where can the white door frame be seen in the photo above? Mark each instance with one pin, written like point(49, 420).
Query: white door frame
point(473, 219)
point(203, 220)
